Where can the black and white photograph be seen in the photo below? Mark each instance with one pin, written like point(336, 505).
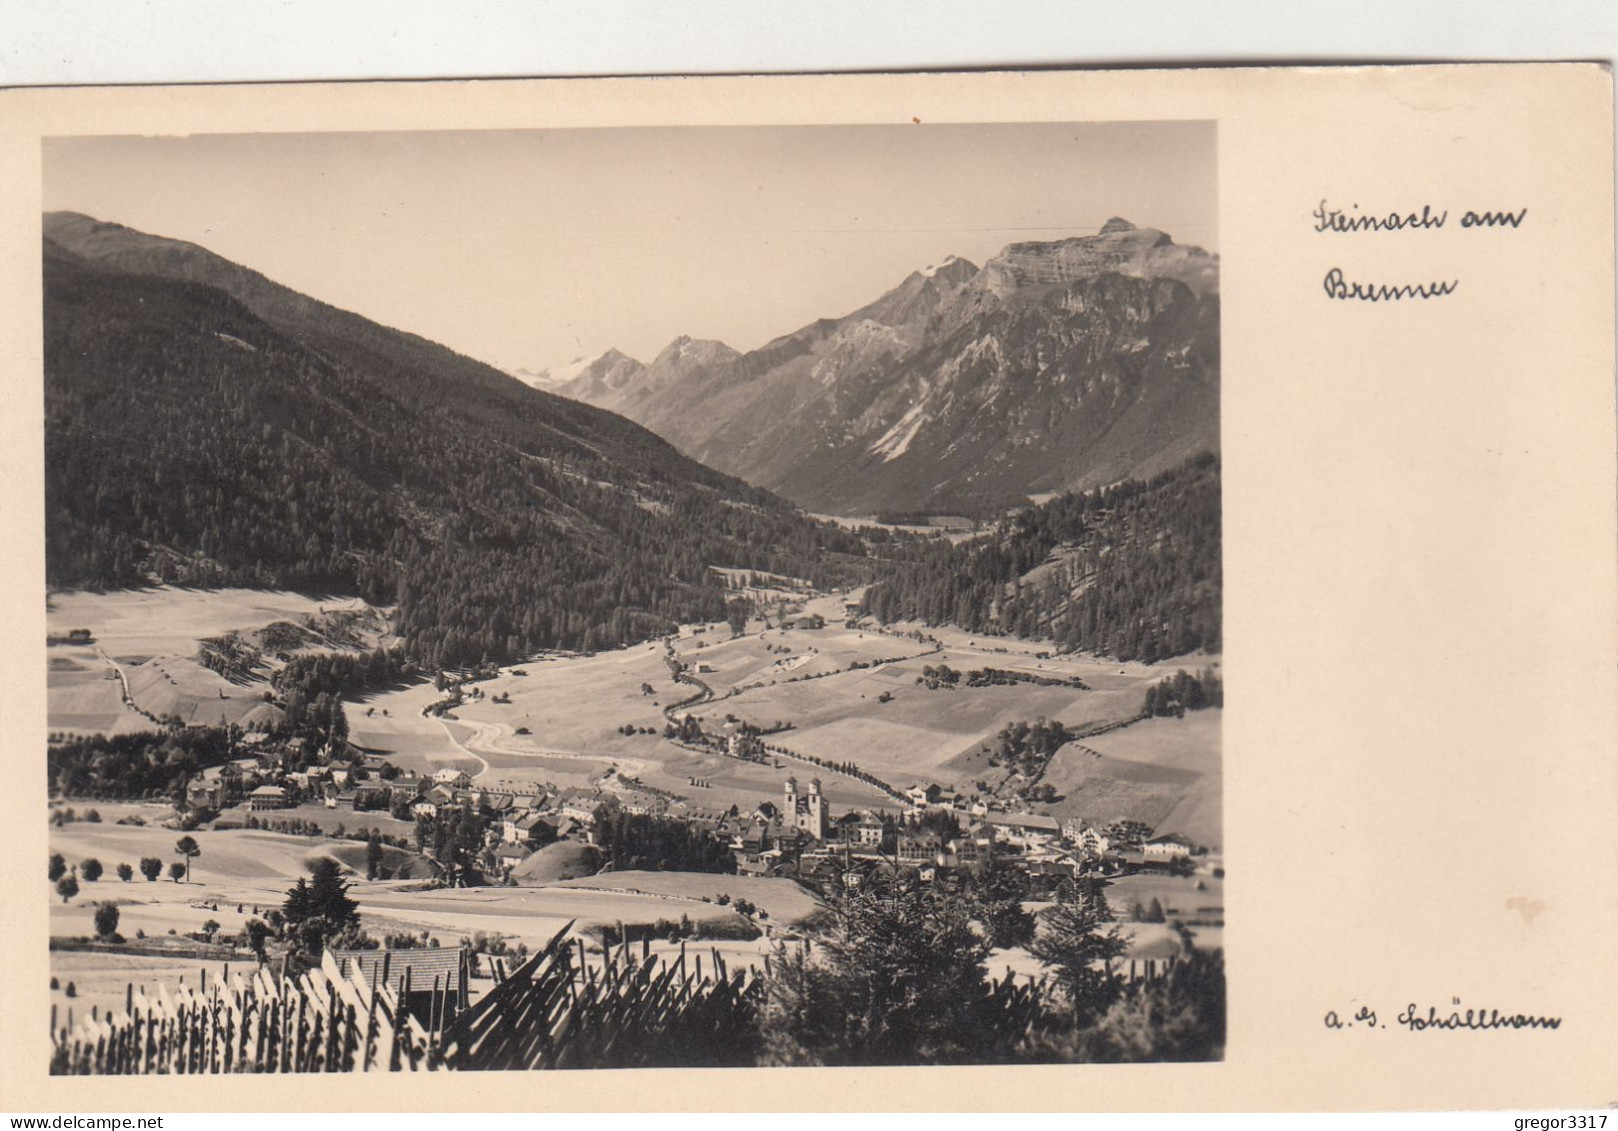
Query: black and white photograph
point(681, 596)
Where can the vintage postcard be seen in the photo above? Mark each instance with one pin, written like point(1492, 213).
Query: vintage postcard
point(1022, 574)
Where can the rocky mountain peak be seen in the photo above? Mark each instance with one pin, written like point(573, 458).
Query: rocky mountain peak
point(1058, 364)
point(686, 350)
point(1119, 248)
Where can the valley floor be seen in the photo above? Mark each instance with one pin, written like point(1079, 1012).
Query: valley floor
point(833, 693)
point(850, 695)
point(836, 693)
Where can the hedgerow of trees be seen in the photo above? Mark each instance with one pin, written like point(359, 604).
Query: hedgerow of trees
point(1184, 692)
point(146, 764)
point(1026, 746)
point(640, 840)
point(344, 674)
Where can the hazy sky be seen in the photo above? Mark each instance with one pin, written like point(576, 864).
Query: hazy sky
point(528, 249)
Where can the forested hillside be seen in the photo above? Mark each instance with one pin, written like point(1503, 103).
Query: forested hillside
point(192, 439)
point(1131, 571)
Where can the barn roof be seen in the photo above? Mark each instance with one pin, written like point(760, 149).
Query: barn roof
point(423, 963)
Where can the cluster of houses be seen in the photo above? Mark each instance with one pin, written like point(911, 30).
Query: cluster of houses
point(799, 837)
point(263, 783)
point(935, 831)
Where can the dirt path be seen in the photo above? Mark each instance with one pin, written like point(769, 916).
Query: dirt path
point(123, 686)
point(487, 737)
point(704, 692)
point(455, 742)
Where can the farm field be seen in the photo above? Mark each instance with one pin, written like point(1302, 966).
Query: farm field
point(150, 637)
point(531, 915)
point(785, 901)
point(238, 867)
point(812, 652)
point(407, 738)
point(932, 734)
point(1165, 772)
point(253, 869)
point(562, 860)
point(170, 620)
point(574, 707)
point(100, 979)
point(83, 695)
point(234, 862)
point(178, 686)
point(577, 703)
point(1178, 895)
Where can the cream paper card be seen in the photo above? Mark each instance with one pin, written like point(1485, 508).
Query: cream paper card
point(1415, 778)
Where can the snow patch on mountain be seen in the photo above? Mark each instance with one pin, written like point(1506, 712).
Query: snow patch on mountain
point(896, 440)
point(551, 377)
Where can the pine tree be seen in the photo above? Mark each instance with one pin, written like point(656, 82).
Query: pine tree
point(373, 855)
point(1078, 939)
point(328, 894)
point(298, 905)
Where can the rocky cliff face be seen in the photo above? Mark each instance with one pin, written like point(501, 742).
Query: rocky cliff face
point(1056, 366)
point(1120, 247)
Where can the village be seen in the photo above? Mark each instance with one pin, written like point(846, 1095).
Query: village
point(798, 836)
point(728, 786)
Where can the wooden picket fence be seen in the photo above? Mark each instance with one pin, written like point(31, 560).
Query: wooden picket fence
point(557, 1009)
point(630, 1010)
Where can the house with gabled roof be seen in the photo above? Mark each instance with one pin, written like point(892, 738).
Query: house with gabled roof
point(919, 849)
point(430, 982)
point(581, 805)
point(508, 856)
point(1024, 828)
point(1169, 846)
point(923, 794)
point(433, 802)
point(523, 827)
point(267, 797)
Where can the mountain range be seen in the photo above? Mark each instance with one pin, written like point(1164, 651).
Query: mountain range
point(206, 425)
point(1055, 366)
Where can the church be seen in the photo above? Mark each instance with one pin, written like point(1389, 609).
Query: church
point(807, 813)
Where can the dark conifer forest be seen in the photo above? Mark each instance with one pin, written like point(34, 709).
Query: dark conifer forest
point(208, 427)
point(1131, 571)
point(190, 441)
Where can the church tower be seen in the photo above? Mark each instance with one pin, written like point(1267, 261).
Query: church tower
point(789, 804)
point(817, 822)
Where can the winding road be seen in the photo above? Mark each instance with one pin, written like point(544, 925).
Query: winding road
point(495, 738)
